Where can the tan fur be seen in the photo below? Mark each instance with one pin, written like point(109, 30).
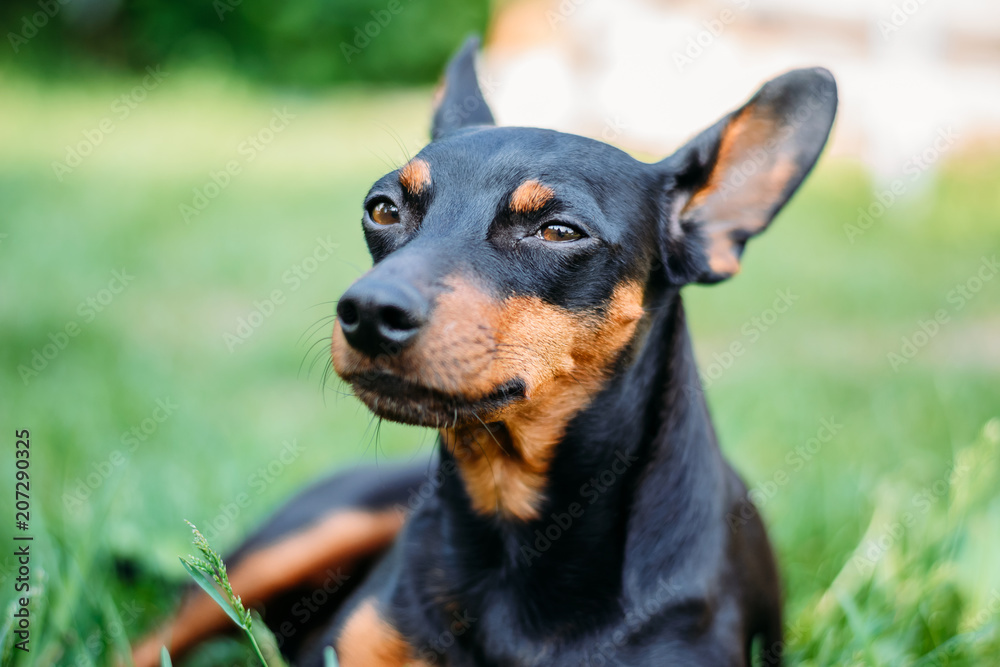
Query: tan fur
point(302, 558)
point(415, 176)
point(474, 345)
point(367, 640)
point(530, 196)
point(567, 366)
point(455, 352)
point(732, 201)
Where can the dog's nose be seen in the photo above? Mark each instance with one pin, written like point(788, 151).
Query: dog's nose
point(381, 318)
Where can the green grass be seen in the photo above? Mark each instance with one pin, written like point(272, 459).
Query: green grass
point(915, 448)
point(209, 571)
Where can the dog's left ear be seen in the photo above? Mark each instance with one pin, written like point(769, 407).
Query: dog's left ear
point(459, 102)
point(729, 182)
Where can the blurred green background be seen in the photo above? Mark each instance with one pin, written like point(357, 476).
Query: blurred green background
point(165, 324)
point(308, 43)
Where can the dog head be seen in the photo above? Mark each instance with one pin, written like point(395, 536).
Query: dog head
point(513, 266)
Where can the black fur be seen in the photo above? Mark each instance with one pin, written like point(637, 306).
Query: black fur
point(647, 570)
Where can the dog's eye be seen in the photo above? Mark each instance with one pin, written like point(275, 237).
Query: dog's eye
point(559, 233)
point(384, 213)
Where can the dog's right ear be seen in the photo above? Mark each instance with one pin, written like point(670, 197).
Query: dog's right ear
point(459, 102)
point(727, 184)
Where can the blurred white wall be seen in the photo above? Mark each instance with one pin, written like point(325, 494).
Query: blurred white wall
point(647, 74)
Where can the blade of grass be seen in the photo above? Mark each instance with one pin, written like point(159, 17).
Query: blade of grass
point(267, 642)
point(210, 574)
point(208, 585)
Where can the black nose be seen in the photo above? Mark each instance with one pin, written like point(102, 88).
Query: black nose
point(381, 318)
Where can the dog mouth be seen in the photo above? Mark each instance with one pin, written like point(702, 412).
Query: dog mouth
point(394, 398)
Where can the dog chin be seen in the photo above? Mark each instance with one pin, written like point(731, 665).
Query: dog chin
point(399, 400)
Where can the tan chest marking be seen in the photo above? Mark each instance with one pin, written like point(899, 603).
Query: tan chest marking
point(368, 640)
point(564, 358)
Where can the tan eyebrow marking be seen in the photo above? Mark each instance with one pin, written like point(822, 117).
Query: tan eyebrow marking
point(415, 176)
point(530, 196)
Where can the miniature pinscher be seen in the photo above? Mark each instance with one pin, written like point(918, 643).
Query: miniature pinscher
point(525, 303)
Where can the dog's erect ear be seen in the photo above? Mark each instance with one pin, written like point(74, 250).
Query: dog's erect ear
point(728, 183)
point(459, 102)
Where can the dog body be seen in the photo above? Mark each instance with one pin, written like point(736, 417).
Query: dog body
point(630, 562)
point(525, 303)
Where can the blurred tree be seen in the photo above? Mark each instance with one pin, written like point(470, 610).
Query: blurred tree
point(304, 42)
